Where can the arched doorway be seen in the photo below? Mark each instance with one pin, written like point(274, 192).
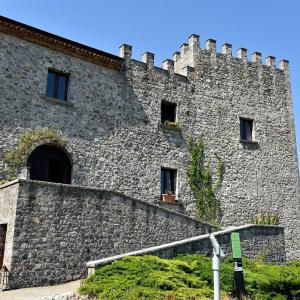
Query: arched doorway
point(49, 163)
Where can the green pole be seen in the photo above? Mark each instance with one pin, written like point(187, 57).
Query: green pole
point(238, 278)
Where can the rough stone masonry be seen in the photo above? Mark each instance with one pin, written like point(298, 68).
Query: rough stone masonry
point(112, 120)
point(55, 229)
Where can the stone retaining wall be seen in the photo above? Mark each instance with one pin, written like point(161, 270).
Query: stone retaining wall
point(257, 241)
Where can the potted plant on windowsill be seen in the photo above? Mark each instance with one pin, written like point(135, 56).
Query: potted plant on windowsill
point(168, 197)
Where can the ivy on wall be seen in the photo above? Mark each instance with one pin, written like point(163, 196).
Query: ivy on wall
point(208, 205)
point(15, 159)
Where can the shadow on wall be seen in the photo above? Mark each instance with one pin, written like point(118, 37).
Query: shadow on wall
point(113, 115)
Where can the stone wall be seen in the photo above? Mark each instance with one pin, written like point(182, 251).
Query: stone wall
point(260, 177)
point(112, 124)
point(58, 228)
point(8, 205)
point(257, 242)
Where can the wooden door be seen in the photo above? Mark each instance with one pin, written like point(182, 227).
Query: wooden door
point(3, 229)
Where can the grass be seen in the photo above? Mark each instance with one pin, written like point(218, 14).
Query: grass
point(188, 277)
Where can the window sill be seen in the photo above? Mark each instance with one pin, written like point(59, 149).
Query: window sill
point(249, 142)
point(176, 202)
point(172, 206)
point(58, 101)
point(170, 203)
point(171, 127)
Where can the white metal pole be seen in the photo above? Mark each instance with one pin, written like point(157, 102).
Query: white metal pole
point(216, 269)
point(216, 261)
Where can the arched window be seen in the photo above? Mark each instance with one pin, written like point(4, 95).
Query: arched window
point(49, 163)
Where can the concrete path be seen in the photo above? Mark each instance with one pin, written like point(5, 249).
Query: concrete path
point(38, 293)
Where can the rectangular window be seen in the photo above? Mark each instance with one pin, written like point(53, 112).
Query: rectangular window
point(57, 85)
point(168, 181)
point(168, 113)
point(246, 129)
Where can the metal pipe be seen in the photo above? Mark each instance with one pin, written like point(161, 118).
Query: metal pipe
point(216, 261)
point(216, 269)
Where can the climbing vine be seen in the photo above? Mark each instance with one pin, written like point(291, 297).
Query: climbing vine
point(208, 205)
point(15, 159)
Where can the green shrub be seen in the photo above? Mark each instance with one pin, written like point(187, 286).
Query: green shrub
point(189, 277)
point(146, 277)
point(268, 281)
point(267, 219)
point(3, 181)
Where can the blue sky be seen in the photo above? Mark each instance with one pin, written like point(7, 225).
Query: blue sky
point(161, 26)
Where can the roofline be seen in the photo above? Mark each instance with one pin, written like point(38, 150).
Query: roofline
point(58, 43)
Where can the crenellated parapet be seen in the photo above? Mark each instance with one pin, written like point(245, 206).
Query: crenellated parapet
point(185, 61)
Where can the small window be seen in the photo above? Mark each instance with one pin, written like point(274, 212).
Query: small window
point(57, 85)
point(168, 181)
point(168, 113)
point(246, 129)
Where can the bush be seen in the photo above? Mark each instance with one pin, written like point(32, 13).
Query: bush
point(146, 277)
point(267, 219)
point(267, 281)
point(189, 277)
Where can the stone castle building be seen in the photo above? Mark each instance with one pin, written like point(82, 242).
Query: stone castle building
point(127, 124)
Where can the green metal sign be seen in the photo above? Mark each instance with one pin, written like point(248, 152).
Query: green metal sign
point(236, 245)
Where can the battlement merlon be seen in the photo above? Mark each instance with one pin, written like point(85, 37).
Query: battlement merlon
point(168, 65)
point(242, 54)
point(271, 62)
point(284, 65)
point(194, 40)
point(227, 49)
point(148, 59)
point(125, 51)
point(184, 48)
point(210, 45)
point(176, 56)
point(256, 57)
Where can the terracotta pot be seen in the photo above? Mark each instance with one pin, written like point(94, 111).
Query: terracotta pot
point(168, 198)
